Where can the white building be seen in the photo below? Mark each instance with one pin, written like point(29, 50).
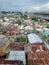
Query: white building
point(5, 24)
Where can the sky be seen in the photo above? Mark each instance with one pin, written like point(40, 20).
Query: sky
point(24, 5)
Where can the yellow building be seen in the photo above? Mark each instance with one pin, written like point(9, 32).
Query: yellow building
point(4, 42)
point(0, 33)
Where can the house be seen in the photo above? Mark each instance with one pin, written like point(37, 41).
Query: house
point(13, 31)
point(44, 22)
point(21, 29)
point(46, 31)
point(17, 46)
point(33, 38)
point(39, 58)
point(36, 51)
point(28, 28)
point(38, 25)
point(17, 55)
point(10, 62)
point(4, 42)
point(36, 47)
point(37, 55)
point(6, 19)
point(5, 24)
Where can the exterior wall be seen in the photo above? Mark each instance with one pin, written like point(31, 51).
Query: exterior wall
point(27, 48)
point(8, 32)
point(9, 62)
point(6, 44)
point(0, 33)
point(2, 49)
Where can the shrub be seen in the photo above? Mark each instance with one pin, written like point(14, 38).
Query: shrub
point(21, 39)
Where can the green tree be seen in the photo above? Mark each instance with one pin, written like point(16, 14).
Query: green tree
point(35, 18)
point(47, 26)
point(19, 22)
point(3, 20)
point(21, 39)
point(4, 12)
point(44, 37)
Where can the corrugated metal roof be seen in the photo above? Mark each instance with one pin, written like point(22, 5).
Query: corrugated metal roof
point(3, 39)
point(17, 55)
point(33, 38)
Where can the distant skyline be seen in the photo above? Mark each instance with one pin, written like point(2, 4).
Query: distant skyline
point(24, 5)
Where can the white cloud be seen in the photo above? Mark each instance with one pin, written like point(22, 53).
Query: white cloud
point(31, 8)
point(36, 8)
point(47, 5)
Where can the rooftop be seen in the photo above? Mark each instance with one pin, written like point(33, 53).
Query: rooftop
point(37, 47)
point(17, 55)
point(2, 36)
point(16, 46)
point(3, 39)
point(33, 38)
point(41, 58)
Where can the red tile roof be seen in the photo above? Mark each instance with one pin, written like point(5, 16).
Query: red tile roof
point(38, 57)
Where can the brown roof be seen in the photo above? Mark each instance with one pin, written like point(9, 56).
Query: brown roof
point(36, 46)
point(39, 57)
point(17, 46)
point(9, 62)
